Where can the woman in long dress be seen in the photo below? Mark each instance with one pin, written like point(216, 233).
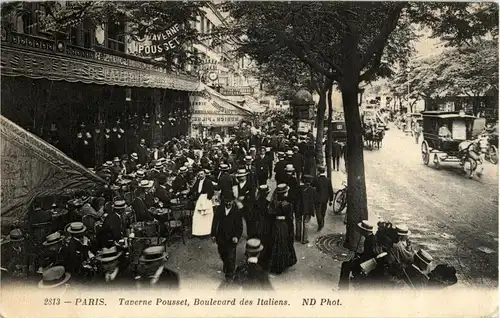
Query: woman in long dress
point(202, 191)
point(264, 225)
point(283, 252)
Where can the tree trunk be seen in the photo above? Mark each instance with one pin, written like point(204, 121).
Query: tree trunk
point(320, 120)
point(357, 209)
point(329, 138)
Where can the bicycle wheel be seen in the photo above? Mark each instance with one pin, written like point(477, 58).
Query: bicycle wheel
point(339, 201)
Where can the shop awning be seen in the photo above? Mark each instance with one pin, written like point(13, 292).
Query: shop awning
point(89, 67)
point(33, 168)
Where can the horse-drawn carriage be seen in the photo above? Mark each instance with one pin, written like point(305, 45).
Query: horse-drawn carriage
point(443, 134)
point(373, 134)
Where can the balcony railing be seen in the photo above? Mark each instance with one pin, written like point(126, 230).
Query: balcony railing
point(236, 91)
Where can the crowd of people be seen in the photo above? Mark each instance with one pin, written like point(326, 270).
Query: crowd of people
point(117, 233)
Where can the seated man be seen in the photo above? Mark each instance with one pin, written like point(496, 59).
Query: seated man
point(366, 230)
point(444, 136)
point(417, 274)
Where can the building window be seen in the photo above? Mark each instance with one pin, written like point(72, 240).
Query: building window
point(208, 26)
point(202, 25)
point(116, 35)
point(81, 35)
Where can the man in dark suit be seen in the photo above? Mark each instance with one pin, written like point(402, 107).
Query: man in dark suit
point(225, 182)
point(202, 185)
point(324, 189)
point(297, 161)
point(153, 272)
point(279, 169)
point(156, 153)
point(163, 191)
point(336, 154)
point(227, 228)
point(250, 275)
point(114, 275)
point(263, 167)
point(111, 230)
point(142, 152)
point(180, 182)
point(306, 208)
point(250, 169)
point(141, 210)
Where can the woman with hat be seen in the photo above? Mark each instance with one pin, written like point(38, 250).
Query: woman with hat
point(264, 224)
point(78, 247)
point(153, 272)
point(283, 252)
point(202, 192)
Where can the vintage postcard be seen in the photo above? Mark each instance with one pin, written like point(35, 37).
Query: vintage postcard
point(249, 159)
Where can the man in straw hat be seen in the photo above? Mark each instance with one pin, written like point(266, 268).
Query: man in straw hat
point(55, 252)
point(153, 272)
point(417, 275)
point(111, 230)
point(78, 247)
point(139, 205)
point(402, 251)
point(14, 259)
point(54, 277)
point(114, 274)
point(366, 230)
point(227, 229)
point(225, 181)
point(250, 275)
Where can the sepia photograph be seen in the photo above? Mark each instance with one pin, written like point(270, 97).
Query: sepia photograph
point(236, 148)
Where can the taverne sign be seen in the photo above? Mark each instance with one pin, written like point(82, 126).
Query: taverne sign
point(160, 42)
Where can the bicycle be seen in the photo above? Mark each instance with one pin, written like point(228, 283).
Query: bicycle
point(340, 199)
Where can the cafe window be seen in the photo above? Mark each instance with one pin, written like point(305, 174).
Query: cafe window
point(116, 34)
point(80, 35)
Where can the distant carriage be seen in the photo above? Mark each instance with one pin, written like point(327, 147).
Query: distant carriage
point(446, 150)
point(373, 136)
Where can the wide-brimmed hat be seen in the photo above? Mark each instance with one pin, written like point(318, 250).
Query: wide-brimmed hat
point(116, 159)
point(108, 254)
point(289, 153)
point(248, 158)
point(295, 148)
point(307, 178)
point(282, 188)
point(152, 254)
point(264, 188)
point(146, 183)
point(124, 182)
point(281, 154)
point(107, 164)
point(53, 238)
point(254, 245)
point(140, 173)
point(53, 277)
point(134, 156)
point(424, 256)
point(223, 167)
point(403, 230)
point(365, 226)
point(119, 204)
point(321, 169)
point(289, 167)
point(75, 228)
point(158, 165)
point(183, 169)
point(241, 173)
point(16, 235)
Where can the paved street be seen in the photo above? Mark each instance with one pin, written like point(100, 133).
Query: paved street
point(448, 214)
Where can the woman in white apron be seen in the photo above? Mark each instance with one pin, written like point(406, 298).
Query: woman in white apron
point(202, 191)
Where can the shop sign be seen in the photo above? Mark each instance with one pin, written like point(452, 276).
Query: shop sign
point(160, 42)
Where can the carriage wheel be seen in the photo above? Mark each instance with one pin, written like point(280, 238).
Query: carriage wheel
point(425, 152)
point(493, 154)
point(437, 161)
